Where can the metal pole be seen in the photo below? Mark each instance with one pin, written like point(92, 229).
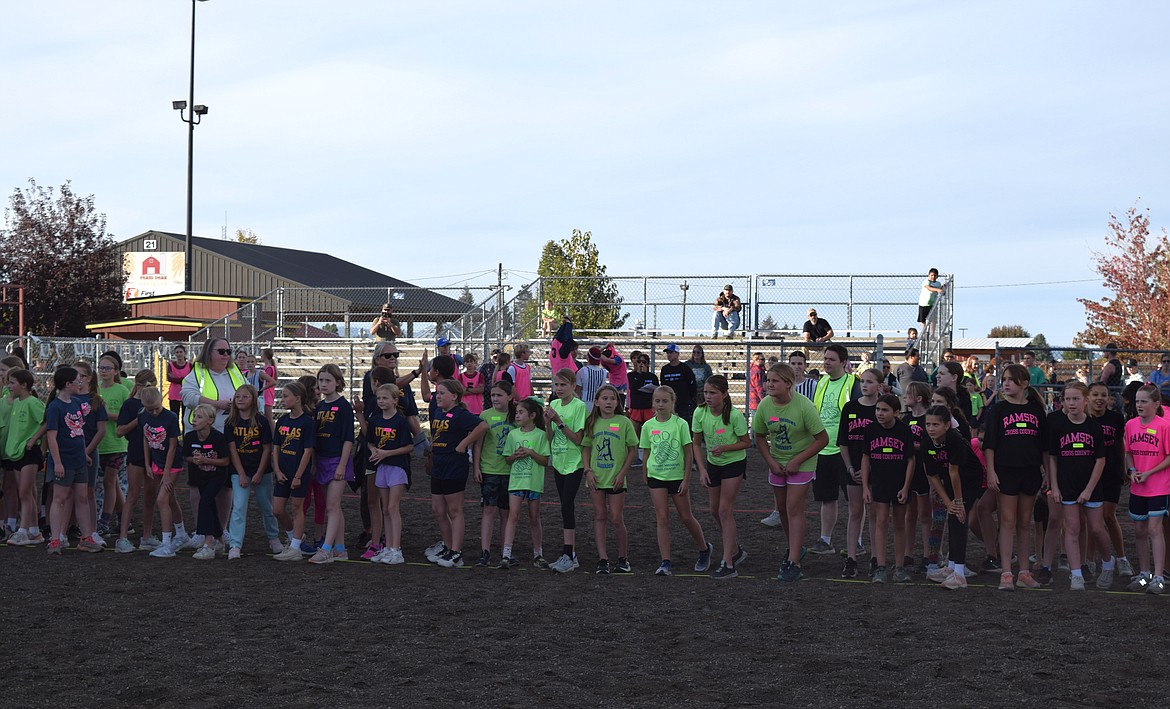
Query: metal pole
point(188, 277)
point(645, 313)
point(849, 318)
point(683, 330)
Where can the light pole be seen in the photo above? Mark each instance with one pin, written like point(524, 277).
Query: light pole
point(192, 119)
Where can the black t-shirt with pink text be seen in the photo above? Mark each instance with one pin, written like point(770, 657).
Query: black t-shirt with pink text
point(855, 418)
point(1016, 432)
point(888, 449)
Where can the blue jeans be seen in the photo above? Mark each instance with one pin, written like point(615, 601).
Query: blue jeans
point(239, 519)
point(729, 323)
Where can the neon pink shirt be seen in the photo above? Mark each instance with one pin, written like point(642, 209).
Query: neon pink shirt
point(1149, 444)
point(473, 402)
point(521, 379)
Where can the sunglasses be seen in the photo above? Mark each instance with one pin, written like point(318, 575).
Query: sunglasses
point(390, 355)
point(222, 351)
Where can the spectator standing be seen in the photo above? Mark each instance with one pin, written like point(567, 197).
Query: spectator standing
point(681, 378)
point(1160, 377)
point(385, 327)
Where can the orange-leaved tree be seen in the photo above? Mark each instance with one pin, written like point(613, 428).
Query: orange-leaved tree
point(1135, 269)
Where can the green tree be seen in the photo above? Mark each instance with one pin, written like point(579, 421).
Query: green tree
point(247, 237)
point(768, 324)
point(54, 243)
point(332, 329)
point(466, 297)
point(1040, 346)
point(575, 281)
point(1002, 331)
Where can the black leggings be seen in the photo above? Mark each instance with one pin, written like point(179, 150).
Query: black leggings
point(567, 487)
point(957, 532)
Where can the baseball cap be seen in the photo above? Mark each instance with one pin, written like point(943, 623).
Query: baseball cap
point(671, 348)
point(1131, 363)
point(442, 342)
point(594, 354)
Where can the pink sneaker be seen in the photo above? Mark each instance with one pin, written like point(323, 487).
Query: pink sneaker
point(1025, 580)
point(941, 574)
point(371, 551)
point(1005, 582)
point(955, 582)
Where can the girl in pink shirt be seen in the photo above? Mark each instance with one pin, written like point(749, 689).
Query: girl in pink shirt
point(1147, 459)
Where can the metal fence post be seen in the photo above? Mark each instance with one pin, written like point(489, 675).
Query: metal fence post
point(280, 312)
point(645, 312)
point(849, 311)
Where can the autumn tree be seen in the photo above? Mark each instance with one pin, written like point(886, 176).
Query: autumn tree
point(1002, 331)
point(54, 243)
point(1135, 269)
point(576, 282)
point(247, 236)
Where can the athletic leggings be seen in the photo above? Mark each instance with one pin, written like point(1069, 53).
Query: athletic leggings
point(567, 487)
point(957, 532)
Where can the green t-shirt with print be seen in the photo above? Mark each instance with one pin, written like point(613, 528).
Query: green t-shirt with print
point(717, 433)
point(609, 442)
point(491, 452)
point(113, 396)
point(790, 428)
point(667, 441)
point(566, 455)
point(526, 473)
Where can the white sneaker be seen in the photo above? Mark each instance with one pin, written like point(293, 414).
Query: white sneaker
point(218, 546)
point(164, 551)
point(149, 544)
point(193, 542)
point(565, 564)
point(433, 551)
point(289, 554)
point(393, 556)
point(97, 539)
point(380, 555)
point(772, 520)
point(205, 553)
point(124, 546)
point(19, 539)
point(1124, 568)
point(234, 553)
point(181, 541)
point(275, 546)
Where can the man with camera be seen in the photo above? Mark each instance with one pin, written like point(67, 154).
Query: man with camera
point(385, 327)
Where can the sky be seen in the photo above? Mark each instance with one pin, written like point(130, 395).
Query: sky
point(433, 140)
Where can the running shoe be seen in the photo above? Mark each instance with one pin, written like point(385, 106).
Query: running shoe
point(956, 581)
point(1043, 576)
point(1062, 564)
point(991, 566)
point(879, 575)
point(433, 555)
point(822, 547)
point(124, 546)
point(739, 558)
point(941, 574)
point(393, 557)
point(1139, 584)
point(1105, 579)
point(539, 562)
point(724, 572)
point(1006, 582)
point(321, 557)
point(873, 565)
point(289, 554)
point(1026, 580)
point(622, 566)
point(703, 563)
point(341, 555)
point(790, 573)
point(1076, 583)
point(275, 546)
point(149, 543)
point(1157, 586)
point(602, 567)
point(664, 568)
point(308, 548)
point(451, 559)
point(234, 553)
point(19, 539)
point(1089, 571)
point(54, 548)
point(1124, 568)
point(565, 564)
point(204, 553)
point(164, 551)
point(849, 570)
point(88, 545)
point(772, 520)
point(434, 550)
point(373, 552)
point(485, 558)
point(901, 576)
point(180, 541)
point(506, 563)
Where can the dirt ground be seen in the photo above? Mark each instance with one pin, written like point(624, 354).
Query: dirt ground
point(90, 629)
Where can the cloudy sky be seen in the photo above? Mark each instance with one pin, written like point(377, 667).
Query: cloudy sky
point(431, 140)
